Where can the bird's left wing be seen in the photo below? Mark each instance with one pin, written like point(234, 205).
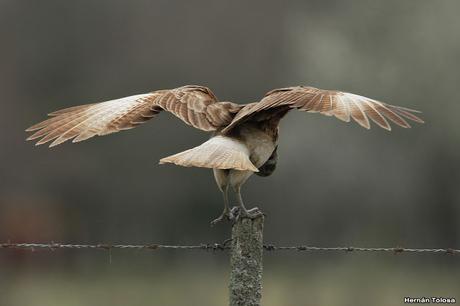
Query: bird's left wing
point(342, 105)
point(197, 106)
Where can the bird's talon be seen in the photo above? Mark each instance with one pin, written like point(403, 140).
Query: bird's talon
point(225, 216)
point(235, 211)
point(255, 212)
point(252, 213)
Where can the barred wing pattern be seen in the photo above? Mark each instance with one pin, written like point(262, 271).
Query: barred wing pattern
point(342, 105)
point(197, 106)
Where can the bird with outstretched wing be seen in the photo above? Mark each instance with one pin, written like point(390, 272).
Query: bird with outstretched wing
point(244, 136)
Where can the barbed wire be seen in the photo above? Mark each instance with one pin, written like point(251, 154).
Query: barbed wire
point(218, 247)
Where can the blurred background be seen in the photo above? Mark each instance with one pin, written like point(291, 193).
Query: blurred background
point(337, 184)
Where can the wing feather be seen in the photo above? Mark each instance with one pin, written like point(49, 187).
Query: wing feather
point(391, 115)
point(72, 109)
point(52, 120)
point(342, 111)
point(404, 112)
point(375, 116)
point(358, 114)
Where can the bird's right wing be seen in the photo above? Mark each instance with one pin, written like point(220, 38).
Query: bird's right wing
point(342, 105)
point(197, 106)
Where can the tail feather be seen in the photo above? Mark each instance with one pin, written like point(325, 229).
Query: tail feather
point(218, 153)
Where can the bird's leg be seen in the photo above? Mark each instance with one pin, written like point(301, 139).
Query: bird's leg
point(242, 211)
point(226, 214)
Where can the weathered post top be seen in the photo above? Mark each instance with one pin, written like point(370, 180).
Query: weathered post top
point(246, 262)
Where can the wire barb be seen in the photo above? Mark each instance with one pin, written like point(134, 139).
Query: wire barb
point(52, 246)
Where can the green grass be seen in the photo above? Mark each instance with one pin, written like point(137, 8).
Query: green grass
point(298, 280)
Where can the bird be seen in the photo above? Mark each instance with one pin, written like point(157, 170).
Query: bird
point(244, 137)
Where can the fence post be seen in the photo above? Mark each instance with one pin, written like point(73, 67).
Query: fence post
point(246, 262)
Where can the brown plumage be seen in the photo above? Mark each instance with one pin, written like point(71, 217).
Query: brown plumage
point(244, 137)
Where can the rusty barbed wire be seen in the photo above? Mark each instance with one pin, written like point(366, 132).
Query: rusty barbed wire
point(219, 247)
